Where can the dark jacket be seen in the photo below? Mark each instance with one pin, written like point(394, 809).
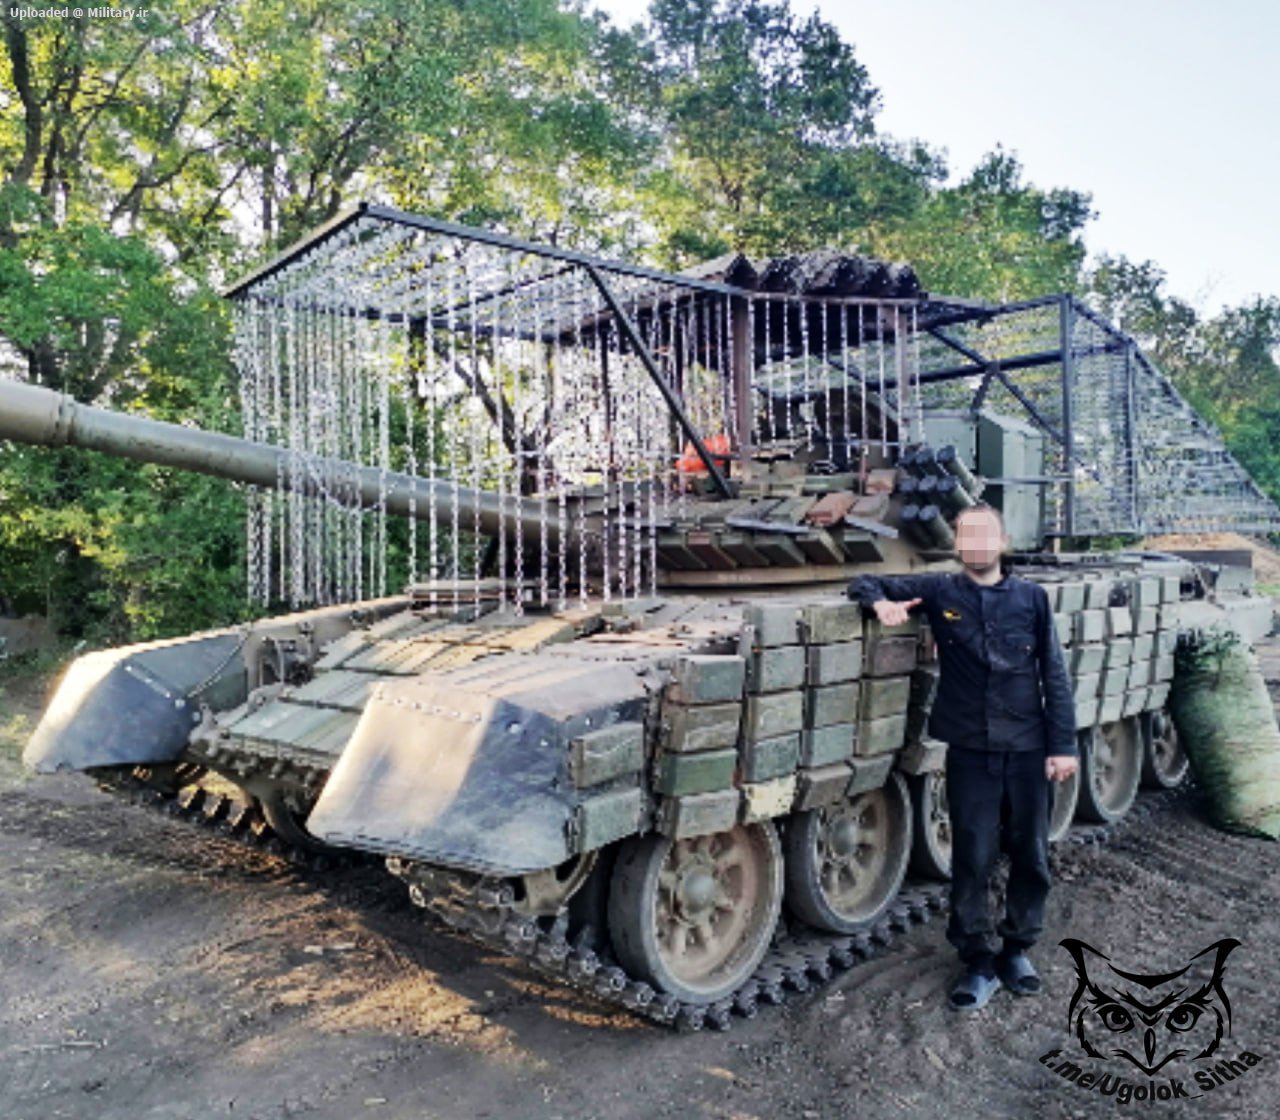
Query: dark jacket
point(1003, 684)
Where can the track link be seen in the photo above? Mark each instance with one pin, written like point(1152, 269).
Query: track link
point(799, 960)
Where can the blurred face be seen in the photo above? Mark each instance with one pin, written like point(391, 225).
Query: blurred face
point(979, 541)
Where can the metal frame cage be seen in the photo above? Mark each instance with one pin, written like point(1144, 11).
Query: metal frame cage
point(1124, 451)
point(579, 391)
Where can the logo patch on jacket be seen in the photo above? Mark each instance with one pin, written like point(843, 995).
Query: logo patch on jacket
point(950, 615)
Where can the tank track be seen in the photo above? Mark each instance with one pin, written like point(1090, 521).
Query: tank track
point(230, 817)
point(484, 911)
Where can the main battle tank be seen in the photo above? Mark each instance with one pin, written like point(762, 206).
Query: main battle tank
point(629, 725)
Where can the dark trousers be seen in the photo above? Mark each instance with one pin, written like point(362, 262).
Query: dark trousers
point(998, 801)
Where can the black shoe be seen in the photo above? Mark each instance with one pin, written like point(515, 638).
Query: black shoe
point(1018, 974)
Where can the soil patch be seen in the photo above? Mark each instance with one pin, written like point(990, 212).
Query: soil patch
point(151, 970)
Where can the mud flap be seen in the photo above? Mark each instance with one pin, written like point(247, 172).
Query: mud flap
point(135, 705)
point(470, 769)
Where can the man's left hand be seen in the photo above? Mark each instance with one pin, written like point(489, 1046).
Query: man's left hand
point(1059, 767)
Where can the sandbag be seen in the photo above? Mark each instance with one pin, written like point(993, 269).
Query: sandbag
point(1227, 725)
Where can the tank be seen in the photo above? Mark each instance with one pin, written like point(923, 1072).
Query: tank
point(626, 722)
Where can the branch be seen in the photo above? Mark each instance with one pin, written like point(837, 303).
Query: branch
point(16, 40)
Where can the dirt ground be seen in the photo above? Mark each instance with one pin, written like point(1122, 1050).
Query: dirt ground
point(1266, 560)
point(151, 971)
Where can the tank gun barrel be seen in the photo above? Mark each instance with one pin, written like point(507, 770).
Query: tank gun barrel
point(36, 415)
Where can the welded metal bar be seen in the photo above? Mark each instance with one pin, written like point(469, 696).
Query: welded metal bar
point(1066, 324)
point(466, 233)
point(959, 347)
point(1029, 405)
point(322, 232)
point(1026, 361)
point(1131, 437)
point(632, 335)
point(504, 241)
point(741, 370)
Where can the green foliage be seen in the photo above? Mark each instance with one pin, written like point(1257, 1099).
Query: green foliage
point(993, 236)
point(111, 551)
point(768, 129)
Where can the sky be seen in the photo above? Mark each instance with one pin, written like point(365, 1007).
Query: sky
point(1167, 113)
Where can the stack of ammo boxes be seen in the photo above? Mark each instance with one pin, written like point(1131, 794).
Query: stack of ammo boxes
point(811, 710)
point(1118, 638)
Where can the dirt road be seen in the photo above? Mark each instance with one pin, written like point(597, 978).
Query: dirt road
point(149, 970)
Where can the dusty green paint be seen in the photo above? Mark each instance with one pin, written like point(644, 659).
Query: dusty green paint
point(1119, 653)
point(889, 657)
point(702, 728)
point(603, 755)
point(1089, 658)
point(708, 679)
point(879, 735)
point(921, 757)
point(1115, 680)
point(823, 785)
point(770, 758)
point(775, 624)
point(680, 774)
point(1098, 594)
point(776, 669)
point(1089, 626)
point(833, 664)
point(1111, 707)
point(824, 745)
point(1070, 598)
point(772, 714)
point(1139, 675)
point(1086, 686)
point(607, 817)
point(1134, 702)
point(1086, 712)
point(833, 703)
point(868, 773)
point(822, 623)
point(699, 814)
point(885, 696)
point(1119, 622)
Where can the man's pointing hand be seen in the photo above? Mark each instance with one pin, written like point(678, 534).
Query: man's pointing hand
point(893, 614)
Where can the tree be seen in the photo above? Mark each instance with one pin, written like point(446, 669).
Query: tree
point(993, 236)
point(768, 126)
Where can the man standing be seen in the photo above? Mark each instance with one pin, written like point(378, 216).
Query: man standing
point(1004, 708)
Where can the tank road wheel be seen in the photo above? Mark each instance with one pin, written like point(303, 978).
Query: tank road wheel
point(845, 862)
point(694, 917)
point(1164, 762)
point(1111, 765)
point(1064, 797)
point(931, 825)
